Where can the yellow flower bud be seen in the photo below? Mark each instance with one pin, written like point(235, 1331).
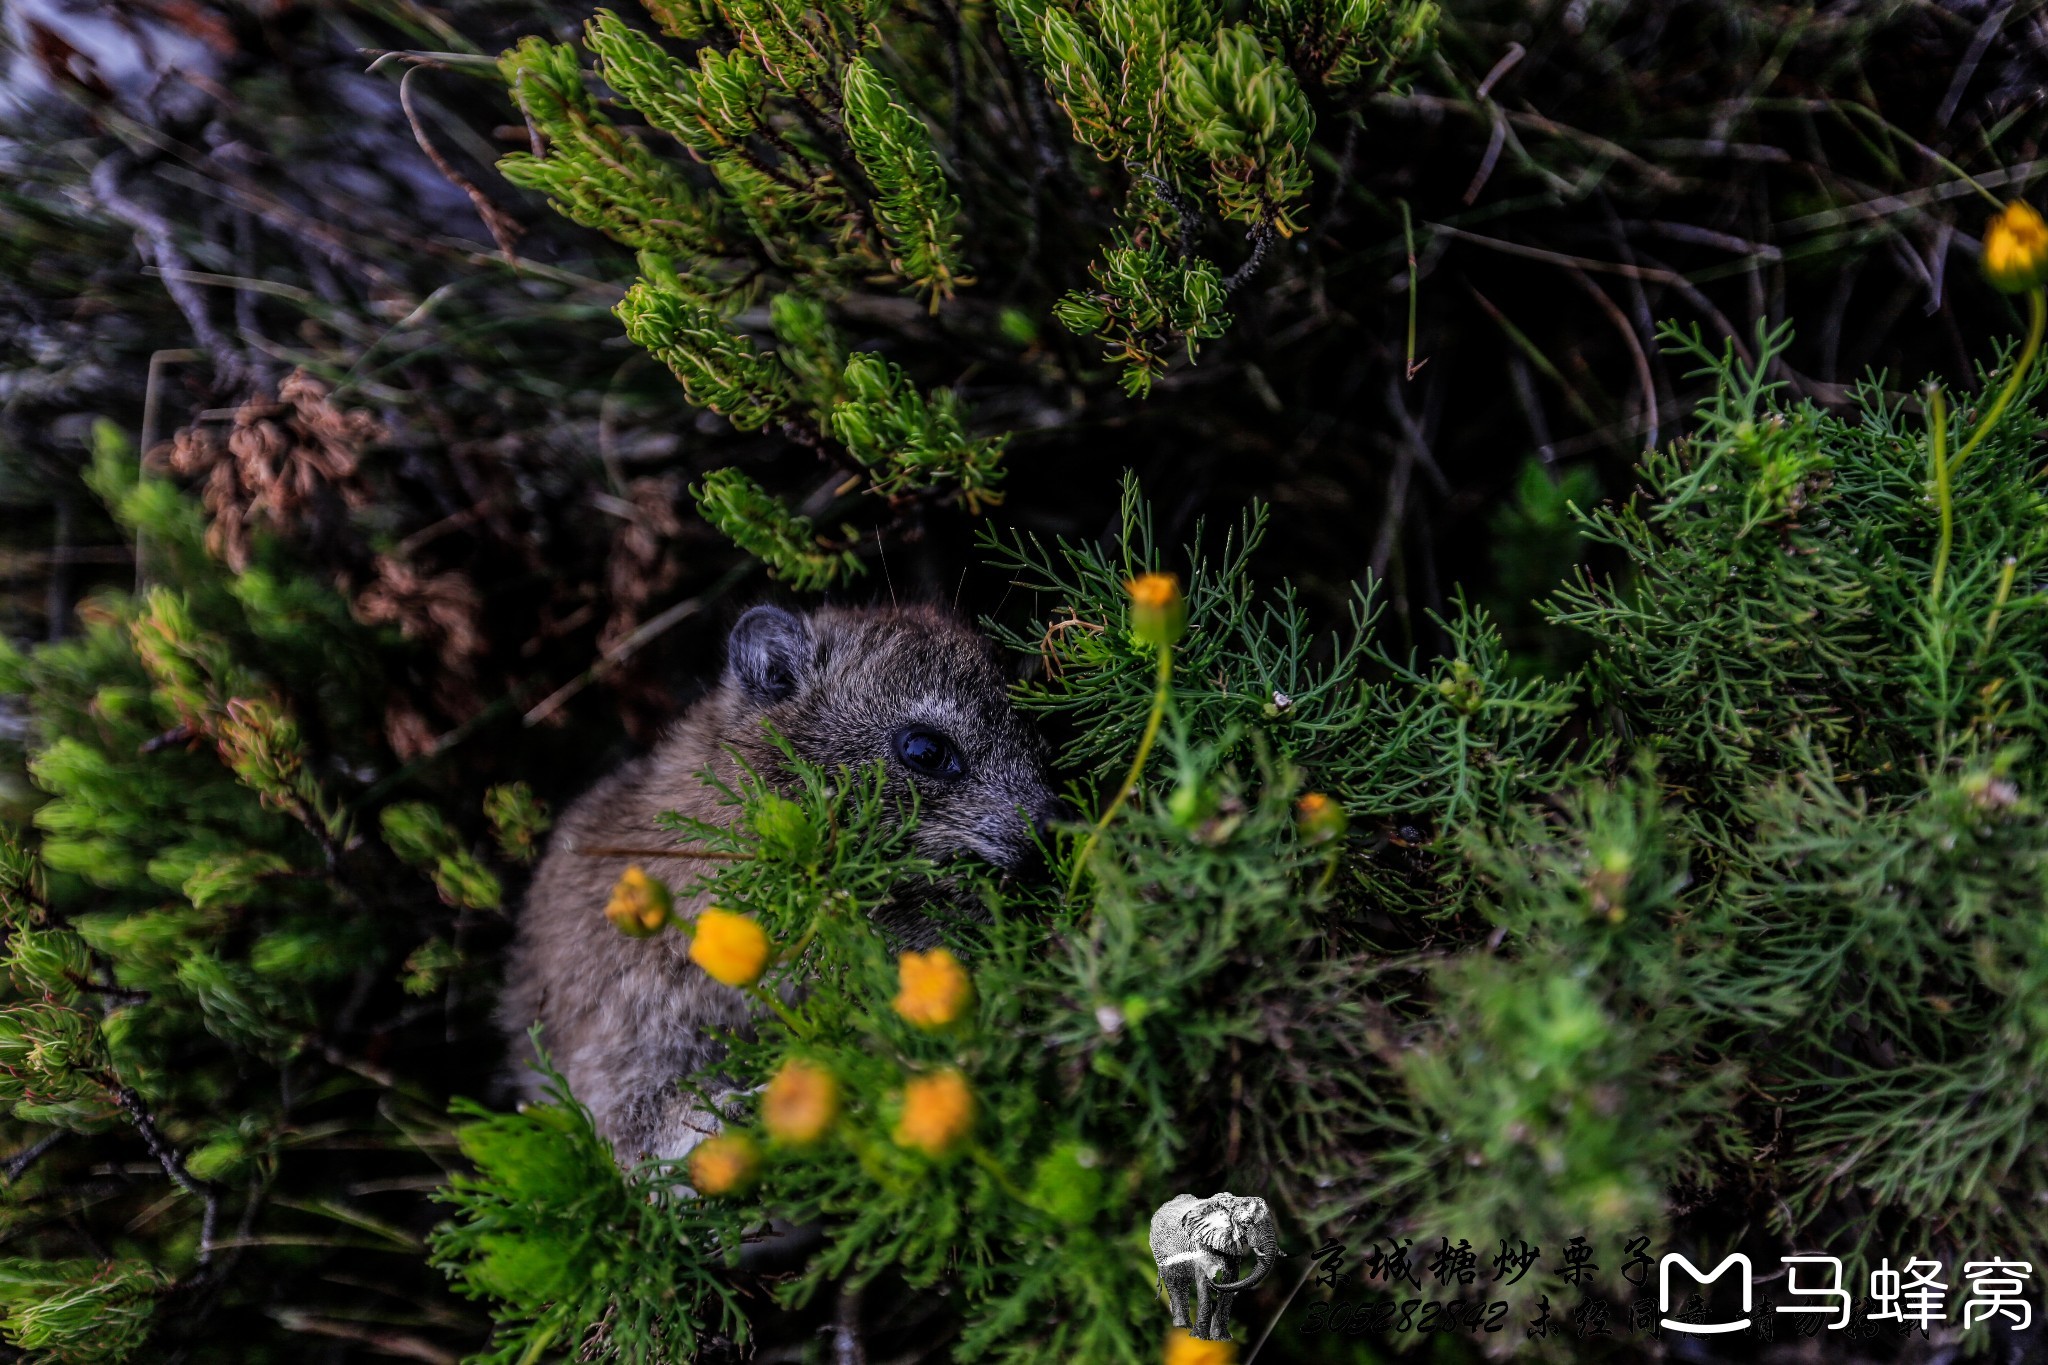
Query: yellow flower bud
point(725, 1164)
point(731, 948)
point(1159, 614)
point(935, 988)
point(2015, 255)
point(800, 1103)
point(1182, 1349)
point(938, 1111)
point(1319, 819)
point(640, 904)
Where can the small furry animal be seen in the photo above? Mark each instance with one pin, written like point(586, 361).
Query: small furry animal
point(624, 1019)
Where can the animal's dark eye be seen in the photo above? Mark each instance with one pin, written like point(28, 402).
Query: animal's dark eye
point(926, 751)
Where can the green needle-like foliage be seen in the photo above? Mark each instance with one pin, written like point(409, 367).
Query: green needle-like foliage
point(914, 208)
point(1243, 110)
point(1860, 757)
point(1031, 1206)
point(707, 110)
point(1107, 67)
point(594, 173)
point(551, 1232)
point(1745, 951)
point(419, 836)
point(802, 156)
point(762, 526)
point(78, 1312)
point(812, 349)
point(1545, 982)
point(1337, 43)
point(1143, 296)
point(718, 368)
point(195, 937)
point(886, 423)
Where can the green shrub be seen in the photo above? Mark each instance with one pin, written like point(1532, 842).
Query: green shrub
point(1778, 926)
point(795, 162)
point(1732, 935)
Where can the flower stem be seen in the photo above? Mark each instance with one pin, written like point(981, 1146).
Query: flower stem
point(1329, 868)
point(795, 951)
point(2005, 576)
point(1162, 685)
point(988, 1163)
point(782, 1011)
point(2037, 319)
point(538, 1347)
point(1944, 468)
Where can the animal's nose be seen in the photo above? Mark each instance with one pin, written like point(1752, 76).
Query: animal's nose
point(1041, 814)
point(1049, 811)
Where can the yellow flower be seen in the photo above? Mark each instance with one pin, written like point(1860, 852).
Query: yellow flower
point(1159, 614)
point(1182, 1349)
point(724, 1164)
point(938, 1110)
point(2015, 255)
point(935, 988)
point(732, 948)
point(1319, 818)
point(640, 904)
point(800, 1102)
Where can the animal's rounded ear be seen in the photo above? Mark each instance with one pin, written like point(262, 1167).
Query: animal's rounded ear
point(767, 653)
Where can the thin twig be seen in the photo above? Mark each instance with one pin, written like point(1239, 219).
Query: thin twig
point(1162, 692)
point(956, 70)
point(1262, 237)
point(173, 1163)
point(1532, 409)
point(1185, 211)
point(18, 1164)
point(504, 229)
point(57, 590)
point(1414, 287)
point(631, 645)
point(1886, 205)
point(1497, 138)
point(1340, 184)
point(1980, 42)
point(261, 372)
point(847, 1346)
point(1537, 253)
point(401, 1344)
point(1656, 175)
point(1703, 236)
point(1409, 452)
point(1299, 1284)
point(154, 234)
point(1508, 61)
point(1635, 347)
point(1534, 354)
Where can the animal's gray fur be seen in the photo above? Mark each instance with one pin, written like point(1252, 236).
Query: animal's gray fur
point(624, 1019)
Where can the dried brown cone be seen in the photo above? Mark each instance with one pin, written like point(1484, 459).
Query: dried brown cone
point(275, 458)
point(440, 610)
point(331, 440)
point(409, 733)
point(198, 452)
